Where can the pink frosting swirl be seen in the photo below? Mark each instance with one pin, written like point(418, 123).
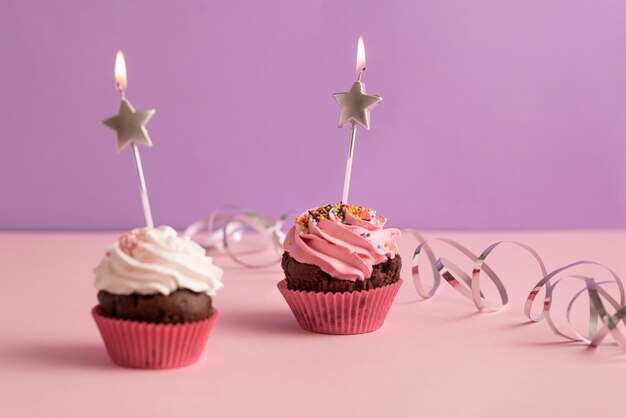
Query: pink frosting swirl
point(346, 250)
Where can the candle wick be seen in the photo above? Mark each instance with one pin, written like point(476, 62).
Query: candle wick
point(121, 90)
point(360, 74)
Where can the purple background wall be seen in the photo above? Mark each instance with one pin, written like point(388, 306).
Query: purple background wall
point(497, 114)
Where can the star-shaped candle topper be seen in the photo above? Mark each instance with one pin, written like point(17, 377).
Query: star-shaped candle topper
point(356, 105)
point(130, 125)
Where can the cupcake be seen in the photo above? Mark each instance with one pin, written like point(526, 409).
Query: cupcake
point(342, 269)
point(155, 299)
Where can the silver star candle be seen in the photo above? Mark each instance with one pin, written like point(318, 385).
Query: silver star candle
point(355, 109)
point(130, 126)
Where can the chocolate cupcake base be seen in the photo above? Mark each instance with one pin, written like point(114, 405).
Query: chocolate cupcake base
point(310, 278)
point(180, 306)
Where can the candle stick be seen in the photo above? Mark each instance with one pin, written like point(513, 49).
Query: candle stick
point(348, 173)
point(355, 109)
point(143, 190)
point(130, 127)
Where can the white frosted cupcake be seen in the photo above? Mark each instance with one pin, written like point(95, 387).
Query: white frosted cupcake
point(155, 298)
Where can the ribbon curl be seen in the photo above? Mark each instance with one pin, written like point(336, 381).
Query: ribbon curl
point(470, 287)
point(226, 226)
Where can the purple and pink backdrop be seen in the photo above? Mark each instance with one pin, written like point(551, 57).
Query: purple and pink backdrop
point(496, 114)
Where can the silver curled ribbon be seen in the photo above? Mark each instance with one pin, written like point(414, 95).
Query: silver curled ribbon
point(224, 228)
point(601, 322)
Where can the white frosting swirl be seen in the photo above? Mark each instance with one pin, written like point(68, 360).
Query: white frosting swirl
point(156, 260)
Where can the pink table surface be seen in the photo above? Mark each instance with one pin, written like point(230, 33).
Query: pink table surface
point(430, 358)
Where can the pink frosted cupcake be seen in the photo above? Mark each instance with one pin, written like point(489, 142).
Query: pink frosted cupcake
point(155, 299)
point(342, 269)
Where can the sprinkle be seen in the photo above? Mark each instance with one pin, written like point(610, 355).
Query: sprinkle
point(336, 212)
point(350, 252)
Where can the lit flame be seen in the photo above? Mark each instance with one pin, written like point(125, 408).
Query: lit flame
point(360, 56)
point(120, 71)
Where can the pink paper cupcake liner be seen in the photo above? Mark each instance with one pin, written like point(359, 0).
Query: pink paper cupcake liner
point(145, 345)
point(341, 313)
